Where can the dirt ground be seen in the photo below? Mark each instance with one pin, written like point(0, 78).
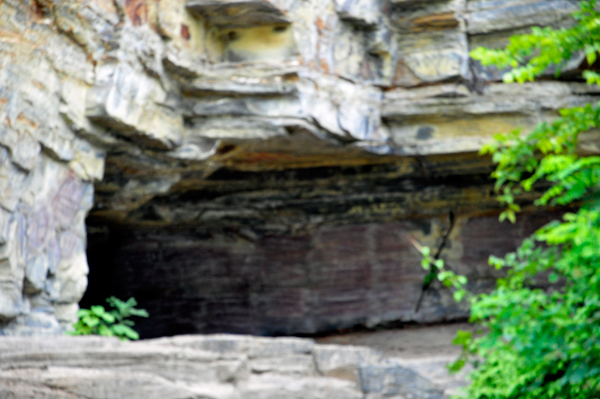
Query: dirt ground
point(425, 349)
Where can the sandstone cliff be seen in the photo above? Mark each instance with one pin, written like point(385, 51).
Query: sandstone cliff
point(254, 166)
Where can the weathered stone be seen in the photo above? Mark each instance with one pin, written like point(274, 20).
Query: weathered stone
point(12, 180)
point(235, 129)
point(286, 365)
point(23, 147)
point(71, 60)
point(88, 163)
point(90, 24)
point(270, 44)
point(33, 323)
point(416, 16)
point(254, 161)
point(129, 101)
point(195, 149)
point(223, 345)
point(333, 361)
point(36, 272)
point(434, 57)
point(392, 380)
point(299, 388)
point(94, 367)
point(361, 12)
point(262, 80)
point(486, 16)
point(435, 119)
point(286, 107)
point(265, 348)
point(66, 314)
point(29, 116)
point(10, 297)
point(237, 13)
point(425, 349)
point(72, 109)
point(5, 223)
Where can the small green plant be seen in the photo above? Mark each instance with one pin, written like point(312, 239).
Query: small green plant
point(112, 323)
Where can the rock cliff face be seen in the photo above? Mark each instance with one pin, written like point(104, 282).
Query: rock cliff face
point(257, 165)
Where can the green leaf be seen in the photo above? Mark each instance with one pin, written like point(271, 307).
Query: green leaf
point(456, 366)
point(426, 251)
point(459, 295)
point(462, 338)
point(591, 54)
point(508, 77)
point(108, 317)
point(105, 331)
point(80, 328)
point(98, 310)
point(425, 263)
point(139, 312)
point(510, 214)
point(90, 321)
point(122, 330)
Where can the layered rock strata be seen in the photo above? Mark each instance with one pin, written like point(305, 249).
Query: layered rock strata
point(291, 140)
point(330, 278)
point(208, 367)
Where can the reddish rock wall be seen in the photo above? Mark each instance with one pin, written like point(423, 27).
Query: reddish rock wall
point(335, 277)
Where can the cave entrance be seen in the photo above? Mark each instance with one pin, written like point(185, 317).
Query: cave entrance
point(298, 252)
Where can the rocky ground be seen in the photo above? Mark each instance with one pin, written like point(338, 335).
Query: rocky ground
point(410, 362)
point(424, 349)
point(201, 367)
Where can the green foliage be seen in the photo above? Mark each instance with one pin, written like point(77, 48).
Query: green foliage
point(437, 270)
point(538, 343)
point(530, 55)
point(113, 323)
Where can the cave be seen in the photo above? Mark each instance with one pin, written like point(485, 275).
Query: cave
point(305, 251)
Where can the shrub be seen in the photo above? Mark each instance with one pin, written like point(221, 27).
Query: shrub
point(113, 323)
point(538, 343)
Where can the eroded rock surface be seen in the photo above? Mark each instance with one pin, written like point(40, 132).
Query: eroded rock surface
point(219, 367)
point(428, 350)
point(234, 143)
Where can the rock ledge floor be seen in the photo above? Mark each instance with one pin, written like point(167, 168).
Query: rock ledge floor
point(425, 349)
point(204, 367)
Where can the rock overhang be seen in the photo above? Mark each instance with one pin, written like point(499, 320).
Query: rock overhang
point(246, 120)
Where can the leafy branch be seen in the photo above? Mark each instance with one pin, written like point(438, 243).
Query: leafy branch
point(543, 343)
point(113, 323)
point(530, 55)
point(438, 270)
